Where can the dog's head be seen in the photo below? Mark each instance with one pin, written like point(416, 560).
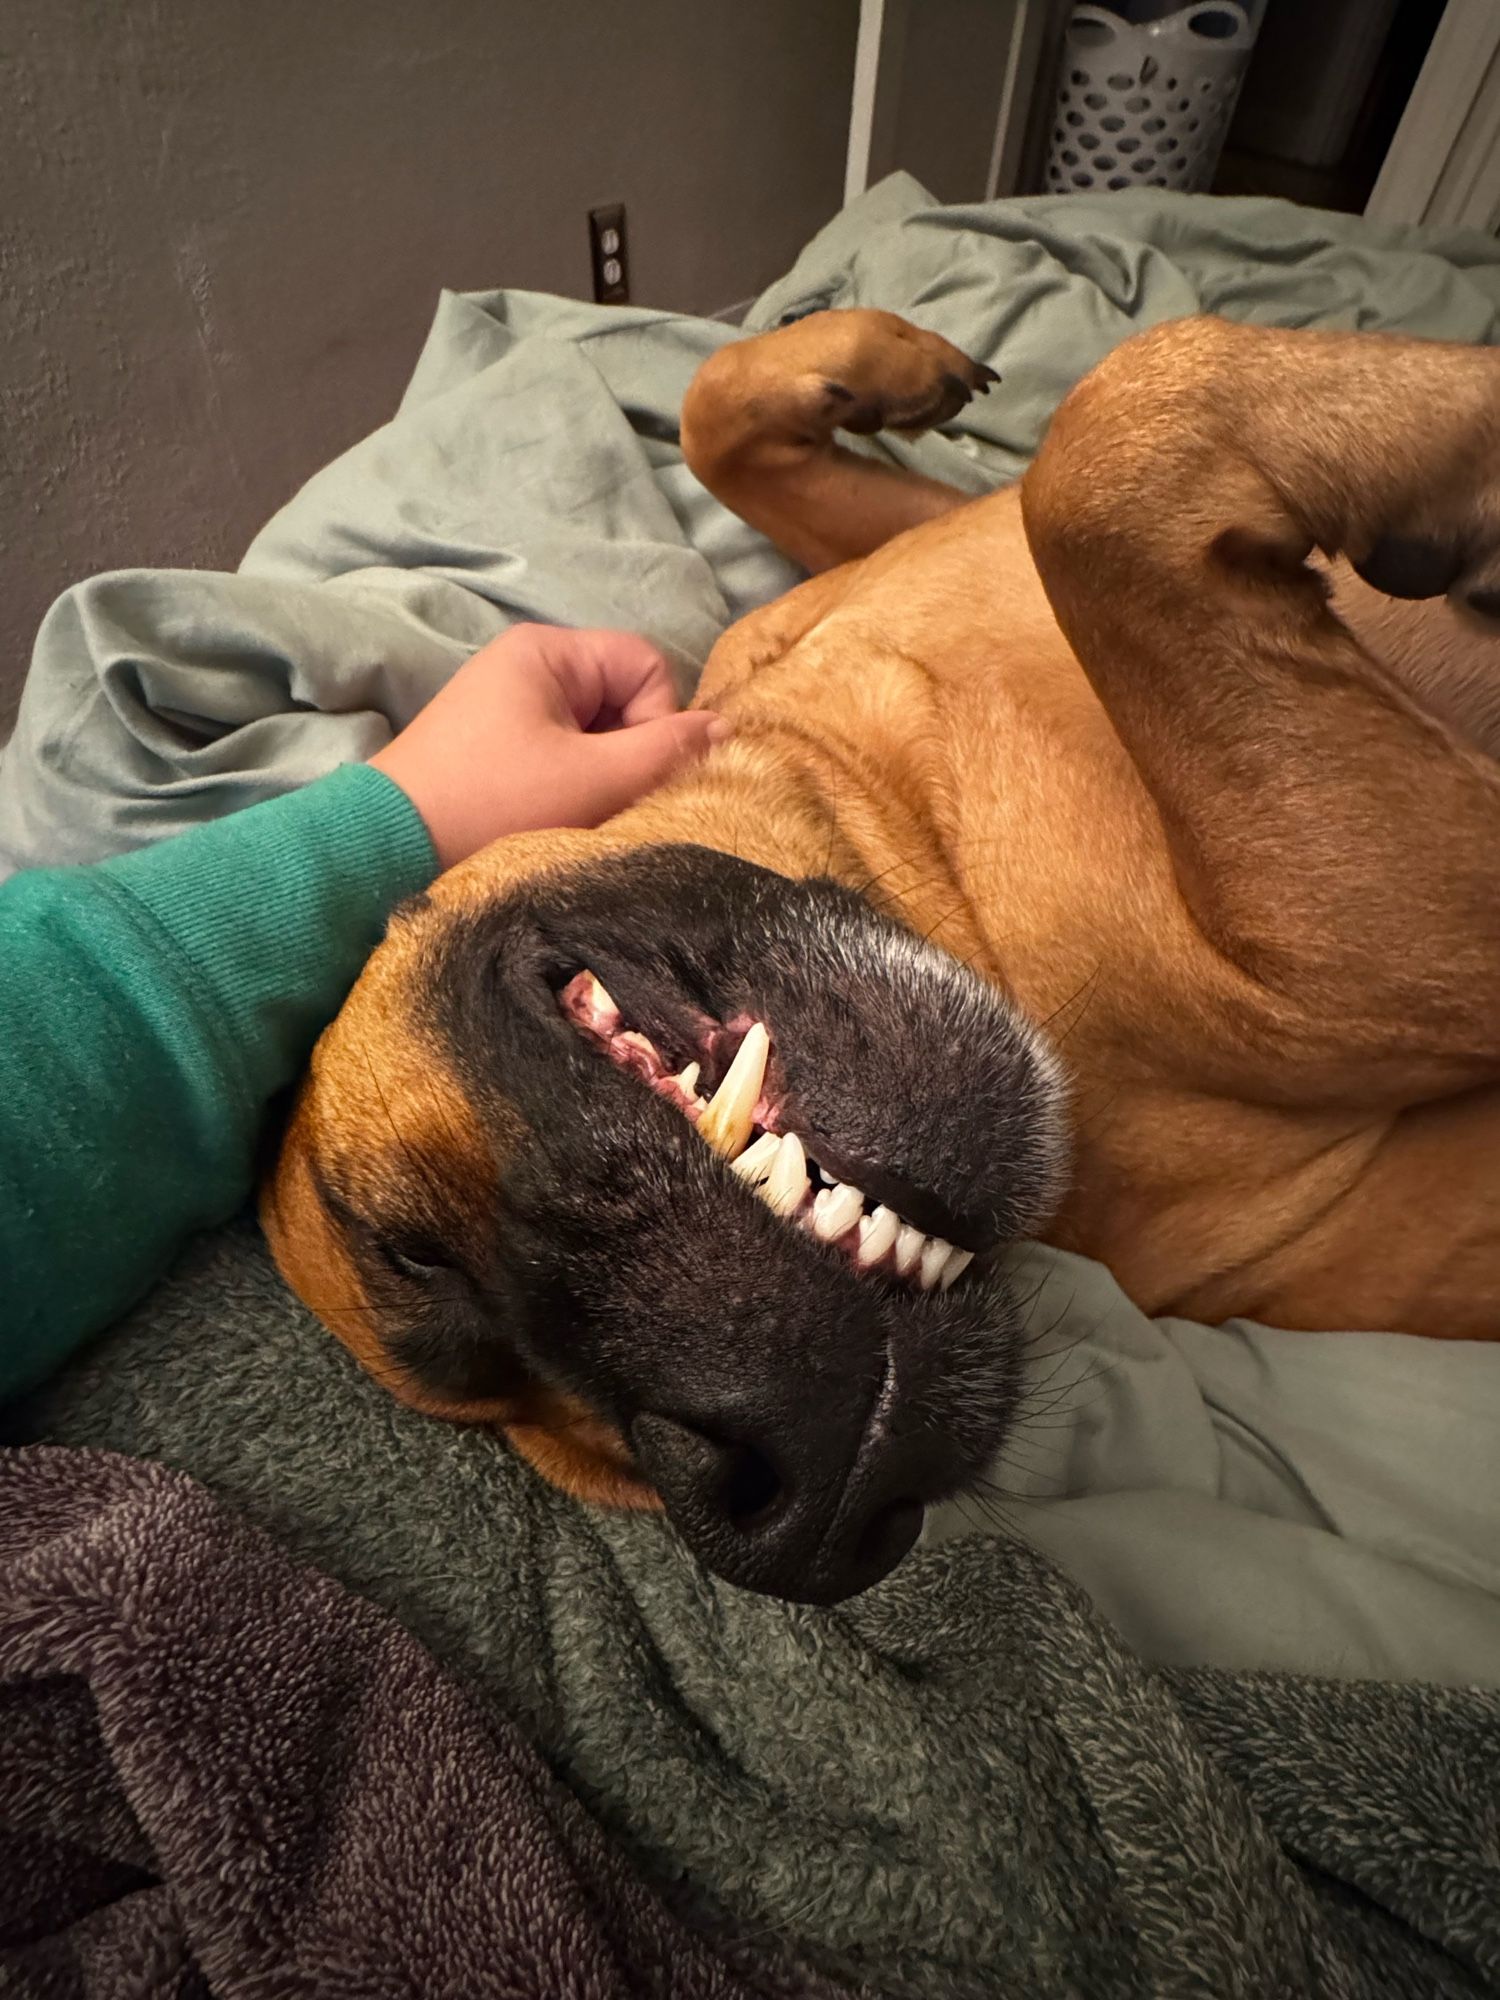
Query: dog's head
point(689, 1175)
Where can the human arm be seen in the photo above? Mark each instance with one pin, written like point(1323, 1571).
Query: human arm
point(151, 1006)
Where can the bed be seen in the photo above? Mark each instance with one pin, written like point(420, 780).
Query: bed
point(1199, 1693)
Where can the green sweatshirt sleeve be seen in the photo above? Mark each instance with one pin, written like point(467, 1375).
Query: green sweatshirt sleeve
point(150, 1007)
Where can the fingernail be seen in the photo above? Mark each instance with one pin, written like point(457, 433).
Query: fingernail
point(718, 729)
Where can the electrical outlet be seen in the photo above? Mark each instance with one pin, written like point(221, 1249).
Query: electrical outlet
point(611, 258)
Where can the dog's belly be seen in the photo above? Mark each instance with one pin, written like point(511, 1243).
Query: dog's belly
point(1414, 1245)
point(1201, 1196)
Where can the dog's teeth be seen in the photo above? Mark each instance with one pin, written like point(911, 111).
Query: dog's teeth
point(786, 1184)
point(603, 1012)
point(934, 1257)
point(731, 1113)
point(837, 1210)
point(909, 1246)
point(877, 1233)
point(755, 1162)
point(687, 1079)
point(958, 1262)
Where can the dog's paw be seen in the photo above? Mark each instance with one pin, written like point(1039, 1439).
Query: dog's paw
point(952, 392)
point(1435, 530)
point(883, 374)
point(1462, 565)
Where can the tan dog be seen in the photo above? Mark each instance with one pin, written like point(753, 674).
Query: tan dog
point(1089, 766)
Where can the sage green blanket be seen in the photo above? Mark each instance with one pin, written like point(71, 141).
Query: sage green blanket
point(1198, 1773)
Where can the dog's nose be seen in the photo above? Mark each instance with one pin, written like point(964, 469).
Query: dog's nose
point(746, 1514)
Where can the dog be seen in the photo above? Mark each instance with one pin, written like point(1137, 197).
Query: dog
point(1114, 859)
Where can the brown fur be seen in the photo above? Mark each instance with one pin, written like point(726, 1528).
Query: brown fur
point(1103, 737)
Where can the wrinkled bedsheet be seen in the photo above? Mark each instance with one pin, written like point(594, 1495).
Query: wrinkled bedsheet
point(532, 472)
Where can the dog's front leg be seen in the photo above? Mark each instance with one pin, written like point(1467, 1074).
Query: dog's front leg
point(759, 424)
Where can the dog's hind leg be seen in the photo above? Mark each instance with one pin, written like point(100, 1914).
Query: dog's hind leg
point(1332, 837)
point(759, 419)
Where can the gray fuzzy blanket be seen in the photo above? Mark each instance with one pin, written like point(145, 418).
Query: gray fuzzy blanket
point(221, 1774)
point(964, 1783)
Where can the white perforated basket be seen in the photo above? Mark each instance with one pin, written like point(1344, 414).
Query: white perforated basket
point(1147, 105)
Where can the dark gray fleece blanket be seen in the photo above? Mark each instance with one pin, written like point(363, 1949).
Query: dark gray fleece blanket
point(963, 1783)
point(222, 1774)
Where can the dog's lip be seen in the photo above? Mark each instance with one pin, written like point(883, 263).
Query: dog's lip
point(829, 1179)
point(920, 1206)
point(681, 1030)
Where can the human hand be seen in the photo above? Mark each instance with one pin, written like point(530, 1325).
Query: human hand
point(544, 726)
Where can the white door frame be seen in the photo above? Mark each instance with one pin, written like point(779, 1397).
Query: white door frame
point(879, 55)
point(1023, 59)
point(1443, 167)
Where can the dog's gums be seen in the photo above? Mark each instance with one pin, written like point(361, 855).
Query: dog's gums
point(745, 1127)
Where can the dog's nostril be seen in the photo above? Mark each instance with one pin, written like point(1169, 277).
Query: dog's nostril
point(728, 1478)
point(750, 1492)
point(770, 1523)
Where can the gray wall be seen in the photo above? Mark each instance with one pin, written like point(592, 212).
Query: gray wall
point(224, 224)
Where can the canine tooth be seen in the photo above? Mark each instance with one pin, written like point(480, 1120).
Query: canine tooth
point(909, 1246)
point(687, 1079)
point(841, 1207)
point(731, 1112)
point(598, 999)
point(877, 1233)
point(958, 1262)
point(934, 1257)
point(786, 1183)
point(756, 1161)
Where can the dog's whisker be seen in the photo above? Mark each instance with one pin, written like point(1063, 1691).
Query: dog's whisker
point(1087, 987)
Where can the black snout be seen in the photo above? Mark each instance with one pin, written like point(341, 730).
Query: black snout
point(761, 1518)
point(795, 1412)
